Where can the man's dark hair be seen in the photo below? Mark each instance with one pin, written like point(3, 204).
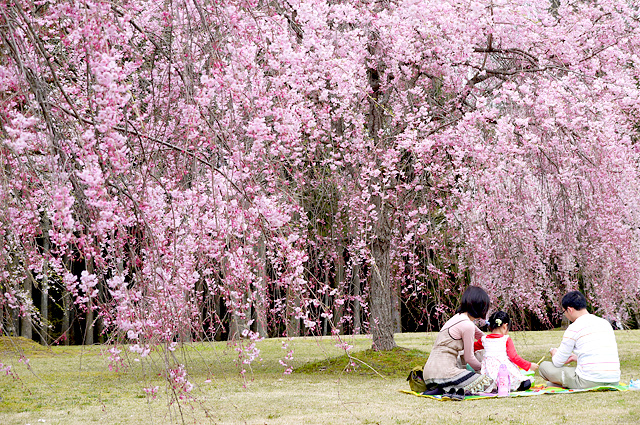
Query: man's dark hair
point(475, 302)
point(574, 299)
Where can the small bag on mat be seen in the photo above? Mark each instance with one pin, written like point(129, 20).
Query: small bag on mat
point(416, 380)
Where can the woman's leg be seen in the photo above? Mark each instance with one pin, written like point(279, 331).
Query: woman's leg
point(434, 391)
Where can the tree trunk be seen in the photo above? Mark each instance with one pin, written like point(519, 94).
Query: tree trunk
point(26, 325)
point(44, 311)
point(357, 321)
point(239, 320)
point(396, 306)
point(202, 296)
point(15, 322)
point(293, 325)
point(381, 321)
point(339, 309)
point(218, 304)
point(261, 303)
point(325, 300)
point(239, 314)
point(66, 306)
point(88, 332)
point(44, 288)
point(325, 320)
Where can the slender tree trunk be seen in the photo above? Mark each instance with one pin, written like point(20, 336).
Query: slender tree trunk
point(15, 322)
point(88, 332)
point(293, 324)
point(239, 315)
point(44, 290)
point(325, 320)
point(66, 319)
point(239, 318)
point(339, 309)
point(13, 313)
point(26, 324)
point(238, 322)
point(44, 311)
point(357, 321)
point(219, 326)
point(380, 296)
point(381, 321)
point(200, 291)
point(14, 318)
point(396, 306)
point(99, 319)
point(185, 333)
point(325, 299)
point(261, 302)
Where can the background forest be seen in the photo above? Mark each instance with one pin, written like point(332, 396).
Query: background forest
point(199, 169)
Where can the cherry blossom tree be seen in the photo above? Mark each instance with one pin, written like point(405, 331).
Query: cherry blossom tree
point(196, 167)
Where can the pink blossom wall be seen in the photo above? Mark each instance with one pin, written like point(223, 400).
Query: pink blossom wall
point(251, 152)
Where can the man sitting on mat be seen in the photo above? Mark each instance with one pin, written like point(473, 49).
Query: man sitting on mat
point(590, 341)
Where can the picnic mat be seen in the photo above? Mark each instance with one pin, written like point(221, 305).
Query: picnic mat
point(535, 390)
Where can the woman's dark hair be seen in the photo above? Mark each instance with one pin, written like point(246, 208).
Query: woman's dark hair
point(498, 319)
point(475, 302)
point(574, 299)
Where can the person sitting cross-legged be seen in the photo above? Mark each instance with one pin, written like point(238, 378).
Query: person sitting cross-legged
point(590, 341)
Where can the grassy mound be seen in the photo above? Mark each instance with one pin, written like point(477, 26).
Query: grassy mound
point(21, 346)
point(395, 363)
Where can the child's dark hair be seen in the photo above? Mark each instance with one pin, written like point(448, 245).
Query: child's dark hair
point(474, 302)
point(498, 319)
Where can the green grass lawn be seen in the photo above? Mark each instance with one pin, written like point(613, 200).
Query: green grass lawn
point(73, 385)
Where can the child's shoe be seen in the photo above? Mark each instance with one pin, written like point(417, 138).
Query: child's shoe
point(524, 385)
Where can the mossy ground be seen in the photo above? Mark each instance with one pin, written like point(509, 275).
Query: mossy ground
point(20, 345)
point(394, 363)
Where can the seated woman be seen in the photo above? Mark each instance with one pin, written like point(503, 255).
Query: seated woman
point(442, 373)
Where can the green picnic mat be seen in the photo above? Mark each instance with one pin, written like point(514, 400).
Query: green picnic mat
point(535, 390)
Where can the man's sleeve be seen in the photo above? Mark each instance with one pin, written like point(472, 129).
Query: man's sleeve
point(565, 349)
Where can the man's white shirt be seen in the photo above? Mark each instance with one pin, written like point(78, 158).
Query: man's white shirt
point(592, 339)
